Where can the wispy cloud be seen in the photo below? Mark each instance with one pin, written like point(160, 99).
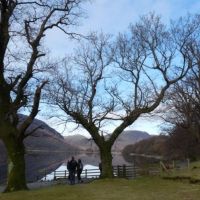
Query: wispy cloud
point(115, 16)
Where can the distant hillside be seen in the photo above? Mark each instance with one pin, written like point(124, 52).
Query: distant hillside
point(46, 150)
point(81, 142)
point(178, 146)
point(155, 145)
point(129, 137)
point(44, 139)
point(42, 129)
point(126, 138)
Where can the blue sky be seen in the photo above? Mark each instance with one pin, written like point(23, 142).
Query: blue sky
point(114, 17)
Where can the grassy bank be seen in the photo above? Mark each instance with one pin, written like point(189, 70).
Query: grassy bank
point(191, 174)
point(119, 189)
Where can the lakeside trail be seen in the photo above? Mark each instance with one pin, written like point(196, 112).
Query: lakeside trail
point(42, 184)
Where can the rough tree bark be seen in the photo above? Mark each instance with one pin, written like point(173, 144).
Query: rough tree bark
point(16, 162)
point(106, 161)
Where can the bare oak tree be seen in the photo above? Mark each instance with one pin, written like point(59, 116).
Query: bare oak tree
point(116, 82)
point(23, 25)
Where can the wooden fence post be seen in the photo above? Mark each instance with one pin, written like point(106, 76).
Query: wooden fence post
point(173, 164)
point(163, 167)
point(124, 171)
point(188, 163)
point(45, 175)
point(65, 174)
point(134, 172)
point(118, 171)
point(54, 175)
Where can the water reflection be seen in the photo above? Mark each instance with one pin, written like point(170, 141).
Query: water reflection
point(39, 165)
point(90, 161)
point(94, 159)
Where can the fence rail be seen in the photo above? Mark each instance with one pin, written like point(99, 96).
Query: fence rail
point(126, 171)
point(121, 171)
point(118, 171)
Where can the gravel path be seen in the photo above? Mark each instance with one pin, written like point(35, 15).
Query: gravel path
point(40, 184)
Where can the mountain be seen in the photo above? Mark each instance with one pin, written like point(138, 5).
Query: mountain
point(81, 142)
point(155, 145)
point(126, 138)
point(42, 139)
point(179, 145)
point(45, 151)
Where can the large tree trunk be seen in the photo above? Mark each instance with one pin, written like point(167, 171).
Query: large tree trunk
point(16, 163)
point(106, 161)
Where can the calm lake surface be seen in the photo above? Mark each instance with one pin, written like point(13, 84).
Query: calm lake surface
point(44, 163)
point(89, 160)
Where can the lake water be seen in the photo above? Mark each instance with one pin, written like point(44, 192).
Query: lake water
point(39, 165)
point(90, 161)
point(63, 168)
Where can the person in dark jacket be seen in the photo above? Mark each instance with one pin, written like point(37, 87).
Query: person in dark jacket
point(68, 168)
point(79, 170)
point(71, 166)
point(100, 168)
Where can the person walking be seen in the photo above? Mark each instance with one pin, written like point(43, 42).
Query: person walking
point(100, 168)
point(68, 168)
point(79, 170)
point(72, 165)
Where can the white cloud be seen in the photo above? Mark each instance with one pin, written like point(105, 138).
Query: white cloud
point(151, 126)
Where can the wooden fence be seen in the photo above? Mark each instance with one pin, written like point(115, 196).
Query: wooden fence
point(123, 171)
point(86, 173)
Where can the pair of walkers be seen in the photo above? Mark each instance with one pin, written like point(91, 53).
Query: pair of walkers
point(73, 166)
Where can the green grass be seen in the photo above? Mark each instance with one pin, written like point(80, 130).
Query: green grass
point(192, 173)
point(150, 188)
